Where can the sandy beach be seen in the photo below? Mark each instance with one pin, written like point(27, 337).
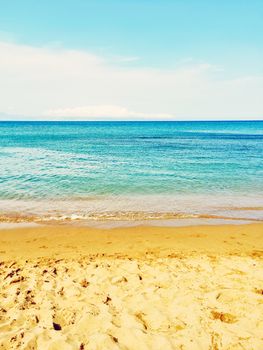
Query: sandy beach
point(132, 288)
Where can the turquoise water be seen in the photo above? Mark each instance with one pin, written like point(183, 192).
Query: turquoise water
point(85, 168)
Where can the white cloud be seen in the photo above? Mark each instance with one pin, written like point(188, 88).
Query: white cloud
point(102, 112)
point(55, 83)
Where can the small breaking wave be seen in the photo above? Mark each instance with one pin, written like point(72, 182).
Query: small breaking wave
point(133, 216)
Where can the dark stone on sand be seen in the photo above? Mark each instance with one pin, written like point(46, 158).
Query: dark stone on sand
point(56, 326)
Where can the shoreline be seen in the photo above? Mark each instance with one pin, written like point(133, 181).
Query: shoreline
point(125, 222)
point(136, 288)
point(174, 209)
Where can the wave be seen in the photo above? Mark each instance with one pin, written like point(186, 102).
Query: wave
point(111, 216)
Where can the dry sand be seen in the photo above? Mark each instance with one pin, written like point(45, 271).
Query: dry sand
point(132, 288)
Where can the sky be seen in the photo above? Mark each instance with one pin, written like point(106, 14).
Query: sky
point(131, 59)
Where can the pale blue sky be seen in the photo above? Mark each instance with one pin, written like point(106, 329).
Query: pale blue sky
point(224, 36)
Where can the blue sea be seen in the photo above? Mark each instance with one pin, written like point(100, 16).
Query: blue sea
point(177, 172)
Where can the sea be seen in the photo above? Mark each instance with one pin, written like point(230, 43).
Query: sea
point(127, 173)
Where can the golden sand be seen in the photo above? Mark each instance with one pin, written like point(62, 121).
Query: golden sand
point(132, 288)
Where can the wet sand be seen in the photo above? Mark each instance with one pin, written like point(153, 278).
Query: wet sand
point(132, 288)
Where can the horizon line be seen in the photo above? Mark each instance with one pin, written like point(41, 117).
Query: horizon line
point(131, 121)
